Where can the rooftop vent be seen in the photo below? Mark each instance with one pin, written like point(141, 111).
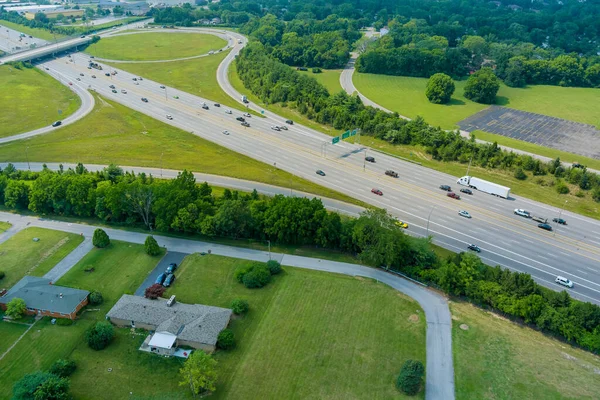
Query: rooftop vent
point(171, 301)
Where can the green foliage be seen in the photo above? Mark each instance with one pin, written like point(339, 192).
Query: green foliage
point(100, 238)
point(257, 277)
point(226, 340)
point(274, 267)
point(316, 70)
point(482, 86)
point(239, 306)
point(520, 174)
point(100, 335)
point(16, 308)
point(41, 386)
point(64, 322)
point(411, 377)
point(440, 88)
point(561, 188)
point(16, 195)
point(199, 373)
point(151, 246)
point(95, 298)
point(2, 275)
point(63, 368)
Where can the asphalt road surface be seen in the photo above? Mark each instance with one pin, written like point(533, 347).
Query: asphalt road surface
point(11, 41)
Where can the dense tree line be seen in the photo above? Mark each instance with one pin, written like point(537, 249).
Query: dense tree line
point(181, 205)
point(274, 82)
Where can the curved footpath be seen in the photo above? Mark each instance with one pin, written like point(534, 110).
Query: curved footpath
point(440, 377)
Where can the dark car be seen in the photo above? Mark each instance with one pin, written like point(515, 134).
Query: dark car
point(114, 90)
point(370, 159)
point(204, 106)
point(217, 105)
point(81, 75)
point(247, 125)
point(559, 221)
point(377, 192)
point(474, 248)
point(545, 226)
point(467, 191)
point(169, 280)
point(319, 172)
point(289, 122)
point(391, 173)
point(160, 279)
point(446, 188)
point(577, 165)
point(112, 87)
point(171, 268)
point(57, 123)
point(107, 74)
point(145, 100)
point(453, 195)
point(242, 119)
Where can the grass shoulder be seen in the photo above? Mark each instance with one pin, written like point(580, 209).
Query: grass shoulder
point(4, 226)
point(330, 78)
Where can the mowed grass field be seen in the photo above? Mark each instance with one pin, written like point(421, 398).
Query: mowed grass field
point(330, 78)
point(31, 99)
point(35, 32)
point(147, 46)
point(4, 226)
point(9, 332)
point(21, 256)
point(113, 133)
point(497, 359)
point(406, 95)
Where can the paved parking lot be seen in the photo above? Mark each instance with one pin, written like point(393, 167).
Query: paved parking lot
point(170, 257)
point(540, 129)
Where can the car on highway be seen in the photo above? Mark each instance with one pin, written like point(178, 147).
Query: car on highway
point(79, 79)
point(453, 195)
point(136, 83)
point(94, 76)
point(391, 173)
point(162, 86)
point(547, 227)
point(176, 97)
point(464, 213)
point(247, 115)
point(289, 122)
point(275, 128)
point(370, 159)
point(283, 127)
point(114, 90)
point(47, 69)
point(377, 192)
point(559, 221)
point(522, 213)
point(561, 280)
point(82, 36)
point(169, 116)
point(171, 268)
point(401, 224)
point(70, 83)
point(57, 123)
point(466, 191)
point(123, 91)
point(446, 188)
point(217, 105)
point(112, 86)
point(241, 119)
point(169, 280)
point(92, 57)
point(474, 248)
point(228, 112)
point(106, 74)
point(135, 79)
point(225, 132)
point(145, 100)
point(319, 172)
point(81, 74)
point(247, 125)
point(204, 106)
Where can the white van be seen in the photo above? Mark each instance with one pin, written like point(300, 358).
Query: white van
point(563, 281)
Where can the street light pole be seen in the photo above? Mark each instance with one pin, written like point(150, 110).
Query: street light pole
point(428, 217)
point(561, 210)
point(27, 155)
point(365, 160)
point(269, 242)
point(161, 165)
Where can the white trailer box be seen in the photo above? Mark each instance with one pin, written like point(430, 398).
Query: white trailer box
point(485, 186)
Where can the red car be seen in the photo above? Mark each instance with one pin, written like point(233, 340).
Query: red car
point(453, 195)
point(377, 192)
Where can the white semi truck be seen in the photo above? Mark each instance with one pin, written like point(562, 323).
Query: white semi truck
point(484, 186)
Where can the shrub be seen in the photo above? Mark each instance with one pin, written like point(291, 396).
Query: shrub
point(482, 86)
point(100, 335)
point(241, 272)
point(41, 385)
point(274, 267)
point(225, 340)
point(100, 238)
point(520, 175)
point(317, 70)
point(580, 194)
point(440, 88)
point(96, 298)
point(257, 277)
point(561, 188)
point(63, 368)
point(16, 308)
point(64, 322)
point(411, 377)
point(2, 275)
point(239, 306)
point(151, 246)
point(154, 292)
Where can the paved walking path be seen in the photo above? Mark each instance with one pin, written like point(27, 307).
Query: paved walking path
point(440, 370)
point(70, 260)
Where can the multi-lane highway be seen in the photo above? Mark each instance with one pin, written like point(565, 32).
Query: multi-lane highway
point(505, 239)
point(13, 41)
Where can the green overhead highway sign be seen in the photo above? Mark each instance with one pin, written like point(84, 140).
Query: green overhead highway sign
point(345, 135)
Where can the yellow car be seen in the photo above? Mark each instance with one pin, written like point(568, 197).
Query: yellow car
point(401, 224)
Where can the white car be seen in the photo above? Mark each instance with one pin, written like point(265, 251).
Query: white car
point(169, 116)
point(275, 128)
point(522, 213)
point(225, 132)
point(123, 91)
point(464, 213)
point(247, 115)
point(563, 281)
point(227, 111)
point(136, 83)
point(283, 127)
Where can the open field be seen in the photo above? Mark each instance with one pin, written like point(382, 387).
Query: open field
point(307, 332)
point(406, 95)
point(4, 226)
point(22, 256)
point(31, 99)
point(330, 78)
point(112, 133)
point(155, 46)
point(9, 332)
point(35, 32)
point(497, 359)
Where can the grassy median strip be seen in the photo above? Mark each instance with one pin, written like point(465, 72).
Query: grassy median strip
point(39, 33)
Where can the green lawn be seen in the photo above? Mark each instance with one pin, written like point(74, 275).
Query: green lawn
point(330, 78)
point(9, 332)
point(155, 46)
point(35, 32)
point(31, 99)
point(119, 268)
point(406, 95)
point(497, 359)
point(112, 133)
point(22, 256)
point(4, 226)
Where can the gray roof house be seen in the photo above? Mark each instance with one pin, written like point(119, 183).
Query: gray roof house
point(175, 324)
point(43, 298)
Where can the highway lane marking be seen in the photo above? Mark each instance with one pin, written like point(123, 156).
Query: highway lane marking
point(583, 272)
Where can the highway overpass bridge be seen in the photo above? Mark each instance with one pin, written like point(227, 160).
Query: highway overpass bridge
point(49, 49)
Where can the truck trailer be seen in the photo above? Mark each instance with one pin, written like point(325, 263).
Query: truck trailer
point(484, 186)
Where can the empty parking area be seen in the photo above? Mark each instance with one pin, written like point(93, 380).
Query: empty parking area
point(542, 130)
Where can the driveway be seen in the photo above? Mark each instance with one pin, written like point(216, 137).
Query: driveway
point(170, 257)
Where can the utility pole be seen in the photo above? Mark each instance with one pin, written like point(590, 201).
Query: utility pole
point(561, 210)
point(365, 161)
point(469, 167)
point(161, 165)
point(428, 218)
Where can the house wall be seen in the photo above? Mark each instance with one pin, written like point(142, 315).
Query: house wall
point(202, 346)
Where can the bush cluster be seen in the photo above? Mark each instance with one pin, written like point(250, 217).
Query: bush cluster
point(100, 238)
point(411, 377)
point(226, 340)
point(239, 306)
point(99, 335)
point(95, 298)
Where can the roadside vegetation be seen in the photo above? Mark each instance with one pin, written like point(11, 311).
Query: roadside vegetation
point(39, 33)
point(4, 226)
point(155, 46)
point(31, 99)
